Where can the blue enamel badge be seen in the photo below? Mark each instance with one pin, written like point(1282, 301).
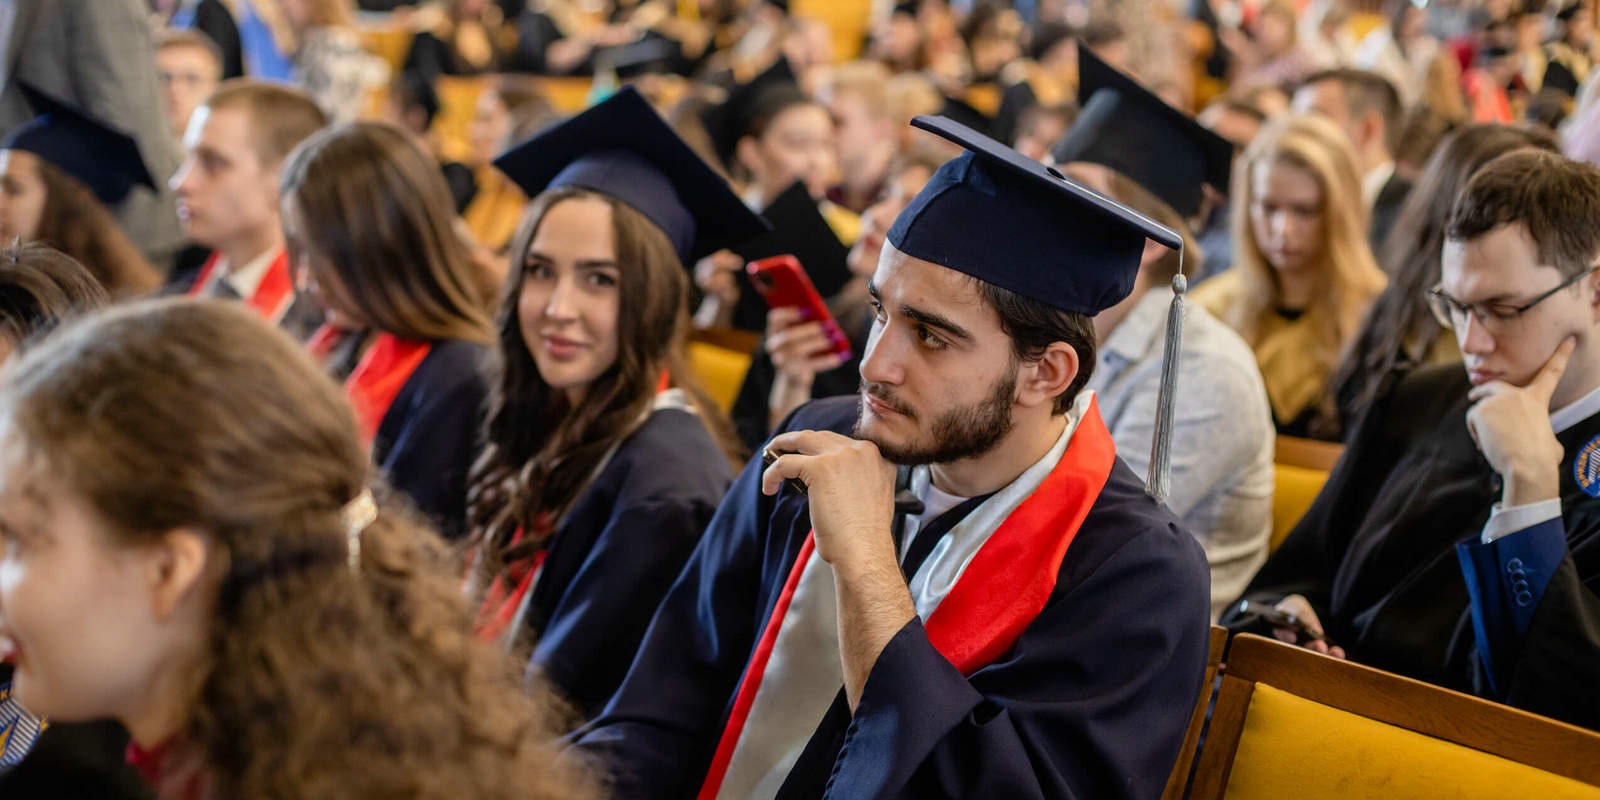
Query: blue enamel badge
point(1586, 468)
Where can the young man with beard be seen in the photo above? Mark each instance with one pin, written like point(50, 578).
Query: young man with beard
point(1005, 613)
point(1458, 539)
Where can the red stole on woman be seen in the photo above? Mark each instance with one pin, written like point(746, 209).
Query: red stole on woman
point(385, 366)
point(993, 595)
point(273, 295)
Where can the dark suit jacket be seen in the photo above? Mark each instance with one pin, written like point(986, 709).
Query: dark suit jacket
point(1386, 209)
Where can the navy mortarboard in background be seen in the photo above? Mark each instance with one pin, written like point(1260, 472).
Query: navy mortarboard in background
point(105, 160)
point(623, 149)
point(1126, 127)
point(1013, 222)
point(653, 54)
point(799, 230)
point(727, 122)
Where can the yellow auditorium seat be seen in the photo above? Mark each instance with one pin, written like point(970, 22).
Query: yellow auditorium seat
point(720, 359)
point(1293, 490)
point(1290, 723)
point(848, 21)
point(1191, 737)
point(458, 104)
point(1300, 467)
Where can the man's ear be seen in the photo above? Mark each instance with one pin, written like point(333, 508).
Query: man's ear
point(1041, 382)
point(1371, 127)
point(176, 565)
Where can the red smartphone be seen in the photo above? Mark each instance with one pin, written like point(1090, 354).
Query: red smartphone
point(783, 283)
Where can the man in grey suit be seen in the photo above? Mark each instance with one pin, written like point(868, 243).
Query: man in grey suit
point(97, 55)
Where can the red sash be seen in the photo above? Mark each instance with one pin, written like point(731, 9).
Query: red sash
point(273, 295)
point(505, 593)
point(377, 379)
point(997, 596)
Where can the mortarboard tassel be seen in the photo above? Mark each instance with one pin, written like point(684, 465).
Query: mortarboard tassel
point(1156, 482)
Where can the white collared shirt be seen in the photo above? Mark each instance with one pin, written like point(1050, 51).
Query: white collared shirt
point(1504, 520)
point(245, 280)
point(1373, 182)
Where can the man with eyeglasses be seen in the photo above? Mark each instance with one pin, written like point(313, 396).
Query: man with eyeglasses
point(1458, 539)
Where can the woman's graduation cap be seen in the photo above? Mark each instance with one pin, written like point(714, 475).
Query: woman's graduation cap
point(102, 158)
point(1005, 219)
point(623, 149)
point(728, 121)
point(1126, 127)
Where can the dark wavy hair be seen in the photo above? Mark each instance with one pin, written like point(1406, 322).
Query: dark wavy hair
point(1399, 323)
point(540, 451)
point(316, 680)
point(75, 222)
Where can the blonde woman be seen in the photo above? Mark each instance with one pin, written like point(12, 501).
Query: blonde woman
point(327, 59)
point(1303, 274)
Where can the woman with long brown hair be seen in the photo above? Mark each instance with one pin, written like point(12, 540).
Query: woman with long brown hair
point(39, 288)
point(1303, 274)
point(602, 462)
point(242, 596)
point(370, 234)
point(57, 175)
point(1400, 333)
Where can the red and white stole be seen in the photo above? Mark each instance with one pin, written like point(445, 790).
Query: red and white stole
point(273, 295)
point(382, 372)
point(982, 585)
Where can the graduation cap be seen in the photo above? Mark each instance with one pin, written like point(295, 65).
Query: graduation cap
point(1128, 128)
point(1007, 220)
point(799, 230)
point(728, 121)
point(102, 158)
point(650, 55)
point(623, 149)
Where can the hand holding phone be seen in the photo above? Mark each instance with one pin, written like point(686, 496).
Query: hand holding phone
point(783, 283)
point(1293, 617)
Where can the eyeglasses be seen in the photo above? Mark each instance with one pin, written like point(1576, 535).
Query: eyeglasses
point(1494, 317)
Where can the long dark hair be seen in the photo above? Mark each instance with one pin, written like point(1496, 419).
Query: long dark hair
point(540, 451)
point(76, 223)
point(316, 679)
point(1399, 326)
point(375, 212)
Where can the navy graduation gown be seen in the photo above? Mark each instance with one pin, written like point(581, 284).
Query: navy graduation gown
point(617, 551)
point(428, 438)
point(1091, 701)
point(1376, 555)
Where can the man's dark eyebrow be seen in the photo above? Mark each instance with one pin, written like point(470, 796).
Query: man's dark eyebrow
point(927, 318)
point(933, 320)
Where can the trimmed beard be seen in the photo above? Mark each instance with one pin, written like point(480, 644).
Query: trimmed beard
point(958, 433)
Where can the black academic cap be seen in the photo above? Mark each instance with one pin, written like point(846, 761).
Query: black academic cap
point(727, 122)
point(1008, 220)
point(1128, 128)
point(102, 158)
point(652, 54)
point(623, 149)
point(799, 230)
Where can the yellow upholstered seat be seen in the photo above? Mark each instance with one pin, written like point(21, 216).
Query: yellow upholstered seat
point(1293, 490)
point(1295, 748)
point(720, 370)
point(1289, 723)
